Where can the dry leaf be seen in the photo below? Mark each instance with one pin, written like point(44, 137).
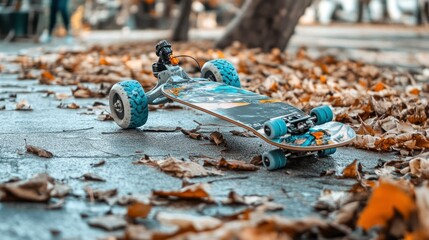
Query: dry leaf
point(138, 210)
point(23, 105)
point(384, 200)
point(35, 189)
point(183, 169)
point(419, 167)
point(60, 190)
point(236, 165)
point(189, 222)
point(92, 177)
point(56, 205)
point(68, 106)
point(61, 96)
point(351, 170)
point(217, 138)
point(193, 134)
point(104, 116)
point(109, 222)
point(330, 200)
point(256, 160)
point(100, 195)
point(196, 192)
point(38, 151)
point(84, 92)
point(46, 77)
point(98, 164)
point(243, 134)
point(250, 200)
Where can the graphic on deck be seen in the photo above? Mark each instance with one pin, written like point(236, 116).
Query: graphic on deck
point(251, 110)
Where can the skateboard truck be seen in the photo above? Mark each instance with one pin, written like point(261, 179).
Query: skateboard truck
point(295, 124)
point(166, 70)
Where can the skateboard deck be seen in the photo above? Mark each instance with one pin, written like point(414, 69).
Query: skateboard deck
point(251, 110)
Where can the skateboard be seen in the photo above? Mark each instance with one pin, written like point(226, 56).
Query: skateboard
point(218, 93)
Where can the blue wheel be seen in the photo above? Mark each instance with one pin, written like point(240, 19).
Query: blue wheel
point(274, 159)
point(221, 70)
point(275, 128)
point(128, 104)
point(323, 114)
point(326, 152)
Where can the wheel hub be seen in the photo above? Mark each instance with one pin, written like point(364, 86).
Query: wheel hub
point(118, 106)
point(209, 75)
point(266, 162)
point(267, 131)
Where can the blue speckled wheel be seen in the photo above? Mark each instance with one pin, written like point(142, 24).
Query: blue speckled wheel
point(221, 70)
point(275, 128)
point(128, 104)
point(323, 114)
point(274, 159)
point(326, 152)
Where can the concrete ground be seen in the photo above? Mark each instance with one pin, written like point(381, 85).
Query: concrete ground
point(77, 140)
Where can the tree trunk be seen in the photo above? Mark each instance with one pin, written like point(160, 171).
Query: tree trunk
point(181, 26)
point(264, 23)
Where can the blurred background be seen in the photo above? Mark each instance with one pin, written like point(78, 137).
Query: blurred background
point(29, 19)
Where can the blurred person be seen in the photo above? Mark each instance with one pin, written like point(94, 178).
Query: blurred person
point(61, 6)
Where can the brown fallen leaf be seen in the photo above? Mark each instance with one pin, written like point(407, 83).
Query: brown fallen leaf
point(100, 195)
point(56, 205)
point(197, 191)
point(246, 134)
point(98, 164)
point(104, 116)
point(381, 206)
point(68, 106)
point(236, 165)
point(108, 222)
point(183, 169)
point(84, 92)
point(189, 222)
point(217, 138)
point(23, 105)
point(193, 133)
point(60, 190)
point(330, 200)
point(138, 210)
point(35, 189)
point(351, 170)
point(61, 96)
point(250, 200)
point(38, 151)
point(419, 167)
point(46, 77)
point(256, 160)
point(137, 232)
point(92, 177)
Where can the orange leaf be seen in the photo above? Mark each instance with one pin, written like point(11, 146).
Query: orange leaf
point(378, 87)
point(138, 210)
point(220, 54)
point(103, 61)
point(382, 203)
point(196, 191)
point(351, 171)
point(323, 79)
point(414, 91)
